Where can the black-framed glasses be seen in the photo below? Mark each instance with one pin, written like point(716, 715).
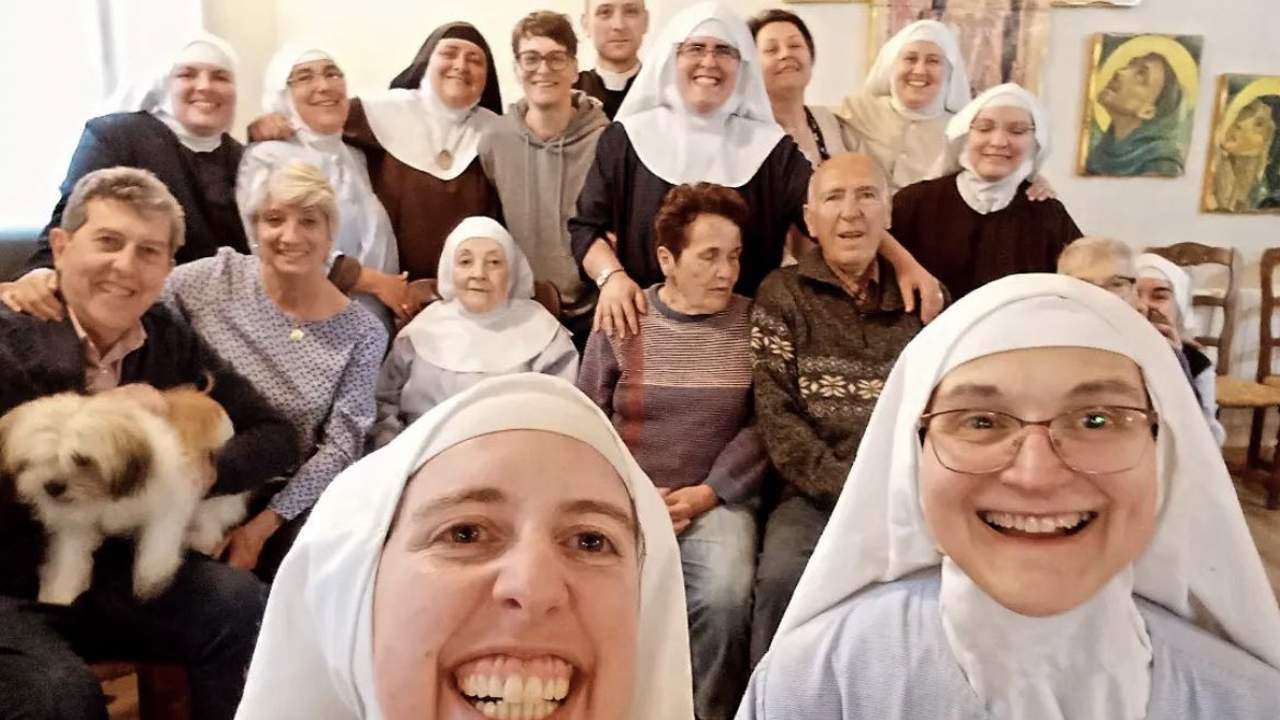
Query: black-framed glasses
point(1096, 440)
point(530, 60)
point(699, 50)
point(307, 78)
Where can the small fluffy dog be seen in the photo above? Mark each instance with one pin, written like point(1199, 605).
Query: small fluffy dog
point(108, 465)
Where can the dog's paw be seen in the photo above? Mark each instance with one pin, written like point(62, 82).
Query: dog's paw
point(205, 540)
point(148, 582)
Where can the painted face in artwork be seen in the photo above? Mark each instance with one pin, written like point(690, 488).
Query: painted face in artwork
point(1134, 90)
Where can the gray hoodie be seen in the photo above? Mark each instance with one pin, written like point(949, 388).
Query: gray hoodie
point(538, 182)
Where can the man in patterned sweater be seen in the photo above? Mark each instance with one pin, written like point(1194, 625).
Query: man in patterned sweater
point(679, 393)
point(825, 333)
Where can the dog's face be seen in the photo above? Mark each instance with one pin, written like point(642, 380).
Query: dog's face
point(68, 449)
point(201, 423)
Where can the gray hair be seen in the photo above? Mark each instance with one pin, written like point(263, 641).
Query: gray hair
point(139, 189)
point(1089, 251)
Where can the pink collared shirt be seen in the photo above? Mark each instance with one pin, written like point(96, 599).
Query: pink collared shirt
point(102, 369)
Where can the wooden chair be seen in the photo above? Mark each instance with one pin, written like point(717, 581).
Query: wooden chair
point(1187, 254)
point(164, 692)
point(1262, 394)
point(426, 291)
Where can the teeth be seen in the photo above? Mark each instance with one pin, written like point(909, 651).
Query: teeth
point(506, 687)
point(1037, 524)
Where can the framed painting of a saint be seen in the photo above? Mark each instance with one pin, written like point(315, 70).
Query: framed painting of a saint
point(1243, 172)
point(1139, 105)
point(1002, 40)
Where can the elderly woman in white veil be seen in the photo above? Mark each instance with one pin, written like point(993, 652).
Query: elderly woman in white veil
point(1038, 525)
point(307, 86)
point(504, 557)
point(697, 112)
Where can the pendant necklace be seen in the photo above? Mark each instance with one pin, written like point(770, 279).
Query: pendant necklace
point(444, 159)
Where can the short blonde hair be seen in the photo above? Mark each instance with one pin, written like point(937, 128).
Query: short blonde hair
point(298, 184)
point(139, 189)
point(1088, 251)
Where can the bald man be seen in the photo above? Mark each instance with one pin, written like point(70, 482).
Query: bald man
point(825, 333)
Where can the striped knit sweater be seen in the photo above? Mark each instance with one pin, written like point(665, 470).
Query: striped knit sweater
point(679, 394)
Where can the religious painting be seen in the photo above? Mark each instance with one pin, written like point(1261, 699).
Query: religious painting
point(1139, 105)
point(1098, 3)
point(1002, 40)
point(1243, 172)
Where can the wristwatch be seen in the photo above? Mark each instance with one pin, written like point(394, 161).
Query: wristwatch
point(603, 277)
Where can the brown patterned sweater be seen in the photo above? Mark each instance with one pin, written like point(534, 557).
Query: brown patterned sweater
point(679, 394)
point(820, 363)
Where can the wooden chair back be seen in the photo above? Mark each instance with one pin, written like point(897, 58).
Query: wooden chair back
point(427, 291)
point(1266, 338)
point(1189, 254)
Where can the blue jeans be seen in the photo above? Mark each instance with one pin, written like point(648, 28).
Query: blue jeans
point(718, 553)
point(790, 535)
point(206, 621)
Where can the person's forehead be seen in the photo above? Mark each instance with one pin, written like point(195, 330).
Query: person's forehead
point(1004, 113)
point(708, 40)
point(1050, 368)
point(458, 44)
point(541, 42)
point(927, 47)
point(593, 5)
point(849, 173)
point(314, 65)
point(1155, 283)
point(200, 67)
point(782, 30)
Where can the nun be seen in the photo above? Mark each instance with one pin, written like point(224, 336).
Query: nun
point(1037, 525)
point(486, 323)
point(698, 112)
point(504, 557)
point(422, 141)
point(974, 223)
point(1164, 297)
point(173, 123)
point(307, 86)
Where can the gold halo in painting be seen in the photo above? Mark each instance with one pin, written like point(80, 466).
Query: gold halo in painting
point(1179, 58)
point(1251, 92)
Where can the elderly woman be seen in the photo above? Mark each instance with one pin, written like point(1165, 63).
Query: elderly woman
point(679, 392)
point(1164, 297)
point(308, 87)
point(505, 557)
point(975, 223)
point(310, 350)
point(786, 60)
point(422, 140)
point(698, 112)
point(486, 323)
point(1038, 525)
point(175, 125)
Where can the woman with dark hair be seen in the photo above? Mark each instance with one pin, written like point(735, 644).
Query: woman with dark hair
point(422, 139)
point(787, 54)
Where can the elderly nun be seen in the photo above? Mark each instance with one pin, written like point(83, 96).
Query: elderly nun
point(1038, 525)
point(698, 112)
point(974, 223)
point(504, 557)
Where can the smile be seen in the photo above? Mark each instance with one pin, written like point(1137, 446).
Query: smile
point(918, 83)
point(110, 288)
point(1015, 524)
point(500, 686)
point(707, 80)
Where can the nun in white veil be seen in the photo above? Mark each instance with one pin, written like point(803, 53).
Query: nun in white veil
point(697, 112)
point(1095, 566)
point(173, 122)
point(486, 323)
point(444, 576)
point(306, 85)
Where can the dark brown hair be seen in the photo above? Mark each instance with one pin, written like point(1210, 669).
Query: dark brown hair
point(684, 203)
point(768, 17)
point(544, 23)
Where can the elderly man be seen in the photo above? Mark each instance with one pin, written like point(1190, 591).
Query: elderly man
point(1104, 262)
point(825, 333)
point(112, 252)
point(1144, 99)
point(616, 28)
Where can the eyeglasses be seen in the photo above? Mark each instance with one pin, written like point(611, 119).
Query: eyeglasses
point(1014, 129)
point(530, 60)
point(698, 51)
point(1093, 440)
point(307, 78)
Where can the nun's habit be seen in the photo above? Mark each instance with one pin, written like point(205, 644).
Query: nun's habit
point(314, 656)
point(423, 154)
point(884, 626)
point(141, 131)
point(908, 142)
point(446, 349)
point(656, 143)
point(364, 231)
point(968, 231)
point(1200, 369)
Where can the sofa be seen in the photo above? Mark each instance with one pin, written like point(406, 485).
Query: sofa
point(16, 245)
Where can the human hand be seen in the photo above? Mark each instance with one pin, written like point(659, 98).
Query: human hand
point(917, 279)
point(620, 306)
point(1040, 190)
point(244, 544)
point(272, 126)
point(34, 294)
point(1166, 327)
point(393, 291)
point(688, 504)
